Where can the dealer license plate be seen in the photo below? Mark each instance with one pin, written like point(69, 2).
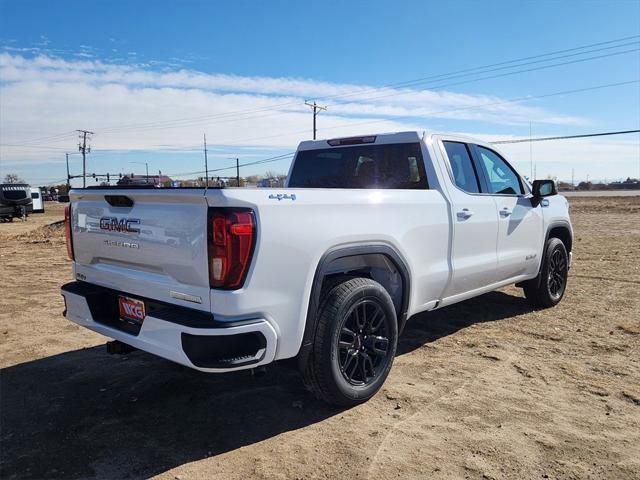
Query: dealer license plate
point(131, 309)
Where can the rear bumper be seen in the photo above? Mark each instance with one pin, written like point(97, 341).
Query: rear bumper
point(184, 336)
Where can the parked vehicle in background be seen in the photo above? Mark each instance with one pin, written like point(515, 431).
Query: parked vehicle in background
point(37, 200)
point(15, 201)
point(50, 195)
point(63, 199)
point(369, 231)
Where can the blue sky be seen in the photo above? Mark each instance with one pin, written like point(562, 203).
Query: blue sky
point(151, 77)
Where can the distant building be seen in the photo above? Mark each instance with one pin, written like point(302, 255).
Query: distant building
point(628, 184)
point(565, 186)
point(272, 182)
point(157, 180)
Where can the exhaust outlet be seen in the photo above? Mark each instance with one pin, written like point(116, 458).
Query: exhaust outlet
point(116, 347)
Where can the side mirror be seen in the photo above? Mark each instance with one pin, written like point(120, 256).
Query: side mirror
point(544, 188)
point(541, 189)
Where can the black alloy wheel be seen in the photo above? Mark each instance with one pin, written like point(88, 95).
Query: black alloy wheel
point(355, 342)
point(548, 288)
point(363, 347)
point(557, 275)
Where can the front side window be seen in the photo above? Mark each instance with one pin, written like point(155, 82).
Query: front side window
point(464, 174)
point(500, 176)
point(360, 166)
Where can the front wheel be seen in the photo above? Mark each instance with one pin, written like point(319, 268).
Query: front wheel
point(547, 289)
point(355, 343)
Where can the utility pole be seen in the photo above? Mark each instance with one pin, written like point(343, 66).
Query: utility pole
point(84, 149)
point(531, 155)
point(238, 171)
point(316, 108)
point(573, 171)
point(68, 176)
point(206, 167)
point(146, 165)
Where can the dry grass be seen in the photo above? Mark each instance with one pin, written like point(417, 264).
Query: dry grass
point(485, 389)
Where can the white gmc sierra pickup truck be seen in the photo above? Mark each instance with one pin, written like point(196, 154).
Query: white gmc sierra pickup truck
point(368, 232)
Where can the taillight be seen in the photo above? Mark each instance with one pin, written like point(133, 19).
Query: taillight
point(231, 237)
point(67, 231)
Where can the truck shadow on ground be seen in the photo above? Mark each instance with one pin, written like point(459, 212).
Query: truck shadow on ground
point(88, 414)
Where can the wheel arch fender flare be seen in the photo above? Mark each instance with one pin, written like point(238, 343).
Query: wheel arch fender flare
point(323, 269)
point(557, 225)
point(565, 227)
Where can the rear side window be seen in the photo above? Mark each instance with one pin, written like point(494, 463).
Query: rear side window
point(464, 174)
point(361, 166)
point(11, 194)
point(500, 176)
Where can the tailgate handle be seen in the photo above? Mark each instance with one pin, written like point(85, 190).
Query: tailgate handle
point(119, 201)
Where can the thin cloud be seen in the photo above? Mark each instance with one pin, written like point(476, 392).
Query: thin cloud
point(135, 106)
point(346, 99)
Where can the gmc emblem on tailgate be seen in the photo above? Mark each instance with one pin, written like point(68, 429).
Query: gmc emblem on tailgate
point(119, 225)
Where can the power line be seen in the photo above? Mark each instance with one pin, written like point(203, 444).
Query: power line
point(22, 146)
point(506, 74)
point(286, 155)
point(564, 137)
point(452, 110)
point(447, 76)
point(238, 165)
point(491, 104)
point(433, 77)
point(360, 92)
point(369, 122)
point(269, 112)
point(188, 121)
point(436, 112)
point(48, 139)
point(413, 92)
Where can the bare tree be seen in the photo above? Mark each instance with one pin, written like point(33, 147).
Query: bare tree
point(13, 178)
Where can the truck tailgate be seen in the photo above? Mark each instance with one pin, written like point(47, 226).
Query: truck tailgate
point(155, 247)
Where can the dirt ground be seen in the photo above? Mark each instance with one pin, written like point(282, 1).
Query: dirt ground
point(485, 389)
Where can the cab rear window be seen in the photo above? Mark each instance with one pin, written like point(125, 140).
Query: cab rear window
point(386, 166)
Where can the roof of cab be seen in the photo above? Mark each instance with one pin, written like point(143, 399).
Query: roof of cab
point(395, 137)
point(381, 138)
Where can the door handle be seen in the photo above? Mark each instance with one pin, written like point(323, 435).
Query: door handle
point(505, 212)
point(464, 214)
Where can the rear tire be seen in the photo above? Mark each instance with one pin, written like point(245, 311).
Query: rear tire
point(547, 289)
point(355, 343)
